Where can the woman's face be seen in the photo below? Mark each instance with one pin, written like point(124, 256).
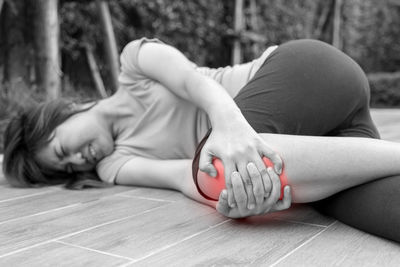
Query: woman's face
point(77, 144)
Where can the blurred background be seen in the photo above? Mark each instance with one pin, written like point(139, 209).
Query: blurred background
point(64, 48)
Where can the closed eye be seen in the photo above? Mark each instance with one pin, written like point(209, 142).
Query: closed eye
point(58, 154)
point(62, 151)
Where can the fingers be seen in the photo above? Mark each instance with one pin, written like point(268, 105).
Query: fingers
point(229, 169)
point(274, 157)
point(275, 192)
point(239, 192)
point(222, 205)
point(205, 163)
point(248, 185)
point(262, 168)
point(286, 201)
point(257, 185)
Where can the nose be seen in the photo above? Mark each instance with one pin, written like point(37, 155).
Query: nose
point(75, 159)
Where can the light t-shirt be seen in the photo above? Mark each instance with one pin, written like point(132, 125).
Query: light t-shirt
point(162, 125)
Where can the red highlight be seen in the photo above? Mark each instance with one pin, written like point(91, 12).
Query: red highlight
point(211, 187)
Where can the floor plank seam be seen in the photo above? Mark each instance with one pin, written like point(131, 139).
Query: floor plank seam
point(303, 223)
point(301, 245)
point(175, 243)
point(25, 196)
point(94, 250)
point(74, 233)
point(146, 198)
point(39, 213)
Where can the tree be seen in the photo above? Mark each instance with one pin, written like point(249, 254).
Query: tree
point(110, 43)
point(1, 5)
point(16, 47)
point(46, 37)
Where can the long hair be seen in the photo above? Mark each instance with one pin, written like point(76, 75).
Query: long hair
point(30, 131)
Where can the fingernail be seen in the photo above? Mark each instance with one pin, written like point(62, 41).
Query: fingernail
point(223, 194)
point(278, 170)
point(251, 206)
point(233, 205)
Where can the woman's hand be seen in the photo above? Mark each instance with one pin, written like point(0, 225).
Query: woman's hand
point(269, 204)
point(236, 143)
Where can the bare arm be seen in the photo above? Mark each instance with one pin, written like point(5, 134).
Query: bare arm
point(232, 140)
point(167, 174)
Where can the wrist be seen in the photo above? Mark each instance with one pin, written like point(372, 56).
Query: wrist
point(224, 115)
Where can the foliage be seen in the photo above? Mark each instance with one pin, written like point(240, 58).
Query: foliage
point(370, 31)
point(385, 89)
point(199, 29)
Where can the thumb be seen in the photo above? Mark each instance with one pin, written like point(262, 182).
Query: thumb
point(275, 158)
point(205, 163)
point(222, 205)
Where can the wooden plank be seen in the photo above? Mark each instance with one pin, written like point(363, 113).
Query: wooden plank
point(33, 230)
point(341, 245)
point(7, 192)
point(154, 193)
point(235, 243)
point(138, 237)
point(54, 199)
point(302, 213)
point(56, 254)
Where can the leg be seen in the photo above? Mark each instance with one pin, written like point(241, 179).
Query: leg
point(304, 87)
point(298, 90)
point(373, 206)
point(324, 102)
point(318, 167)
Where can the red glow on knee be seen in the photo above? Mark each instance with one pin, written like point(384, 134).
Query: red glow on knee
point(212, 186)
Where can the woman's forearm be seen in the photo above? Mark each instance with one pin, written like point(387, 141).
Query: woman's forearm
point(188, 188)
point(186, 82)
point(318, 167)
point(213, 99)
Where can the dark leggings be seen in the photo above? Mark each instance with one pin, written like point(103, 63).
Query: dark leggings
point(307, 87)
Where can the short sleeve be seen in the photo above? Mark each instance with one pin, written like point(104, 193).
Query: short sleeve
point(130, 70)
point(108, 168)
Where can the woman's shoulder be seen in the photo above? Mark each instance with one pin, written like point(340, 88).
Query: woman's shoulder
point(134, 45)
point(108, 168)
point(129, 58)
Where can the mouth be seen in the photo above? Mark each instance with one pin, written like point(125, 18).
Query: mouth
point(92, 155)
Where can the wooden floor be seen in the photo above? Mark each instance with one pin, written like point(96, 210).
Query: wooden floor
point(129, 226)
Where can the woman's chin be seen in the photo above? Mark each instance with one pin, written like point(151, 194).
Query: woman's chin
point(103, 152)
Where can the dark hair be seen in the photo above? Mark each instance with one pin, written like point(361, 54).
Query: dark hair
point(30, 131)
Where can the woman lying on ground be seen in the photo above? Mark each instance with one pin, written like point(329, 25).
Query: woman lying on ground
point(308, 101)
